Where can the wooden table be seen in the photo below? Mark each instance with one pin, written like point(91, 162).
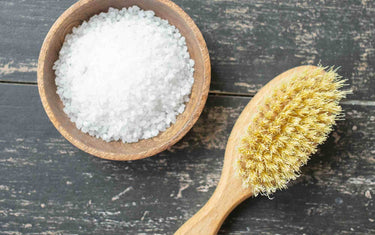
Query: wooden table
point(49, 186)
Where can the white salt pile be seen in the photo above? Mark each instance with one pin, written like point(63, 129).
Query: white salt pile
point(124, 75)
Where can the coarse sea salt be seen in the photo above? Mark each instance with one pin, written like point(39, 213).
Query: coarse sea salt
point(124, 75)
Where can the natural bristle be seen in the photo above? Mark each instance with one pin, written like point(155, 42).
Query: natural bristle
point(286, 129)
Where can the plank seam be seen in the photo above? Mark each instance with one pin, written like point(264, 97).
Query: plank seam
point(220, 93)
point(18, 83)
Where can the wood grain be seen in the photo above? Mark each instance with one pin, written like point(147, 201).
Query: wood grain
point(117, 150)
point(49, 186)
point(250, 42)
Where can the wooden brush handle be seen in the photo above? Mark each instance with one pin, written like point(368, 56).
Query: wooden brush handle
point(210, 217)
point(229, 192)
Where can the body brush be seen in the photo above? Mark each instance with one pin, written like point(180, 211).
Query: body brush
point(273, 137)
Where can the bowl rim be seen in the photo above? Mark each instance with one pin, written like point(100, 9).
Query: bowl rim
point(149, 152)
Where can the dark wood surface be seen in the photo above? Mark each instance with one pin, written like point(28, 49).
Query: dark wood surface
point(249, 41)
point(48, 186)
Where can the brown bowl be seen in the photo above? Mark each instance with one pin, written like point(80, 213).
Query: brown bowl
point(53, 106)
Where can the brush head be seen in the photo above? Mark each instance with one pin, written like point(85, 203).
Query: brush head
point(288, 126)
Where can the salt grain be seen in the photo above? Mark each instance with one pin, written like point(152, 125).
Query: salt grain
point(124, 75)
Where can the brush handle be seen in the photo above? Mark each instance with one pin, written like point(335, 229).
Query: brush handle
point(208, 220)
point(229, 192)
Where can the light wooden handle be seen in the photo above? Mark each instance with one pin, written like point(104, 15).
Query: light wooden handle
point(208, 220)
point(229, 193)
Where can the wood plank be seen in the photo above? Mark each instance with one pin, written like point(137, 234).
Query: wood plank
point(23, 26)
point(249, 41)
point(47, 185)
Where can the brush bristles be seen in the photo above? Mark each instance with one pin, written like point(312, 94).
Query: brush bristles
point(287, 128)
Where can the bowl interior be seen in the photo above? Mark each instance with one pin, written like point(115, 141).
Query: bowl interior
point(85, 9)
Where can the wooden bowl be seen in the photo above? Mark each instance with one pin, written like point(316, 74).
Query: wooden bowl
point(53, 106)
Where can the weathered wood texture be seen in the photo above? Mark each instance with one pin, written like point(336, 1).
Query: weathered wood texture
point(47, 185)
point(250, 41)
